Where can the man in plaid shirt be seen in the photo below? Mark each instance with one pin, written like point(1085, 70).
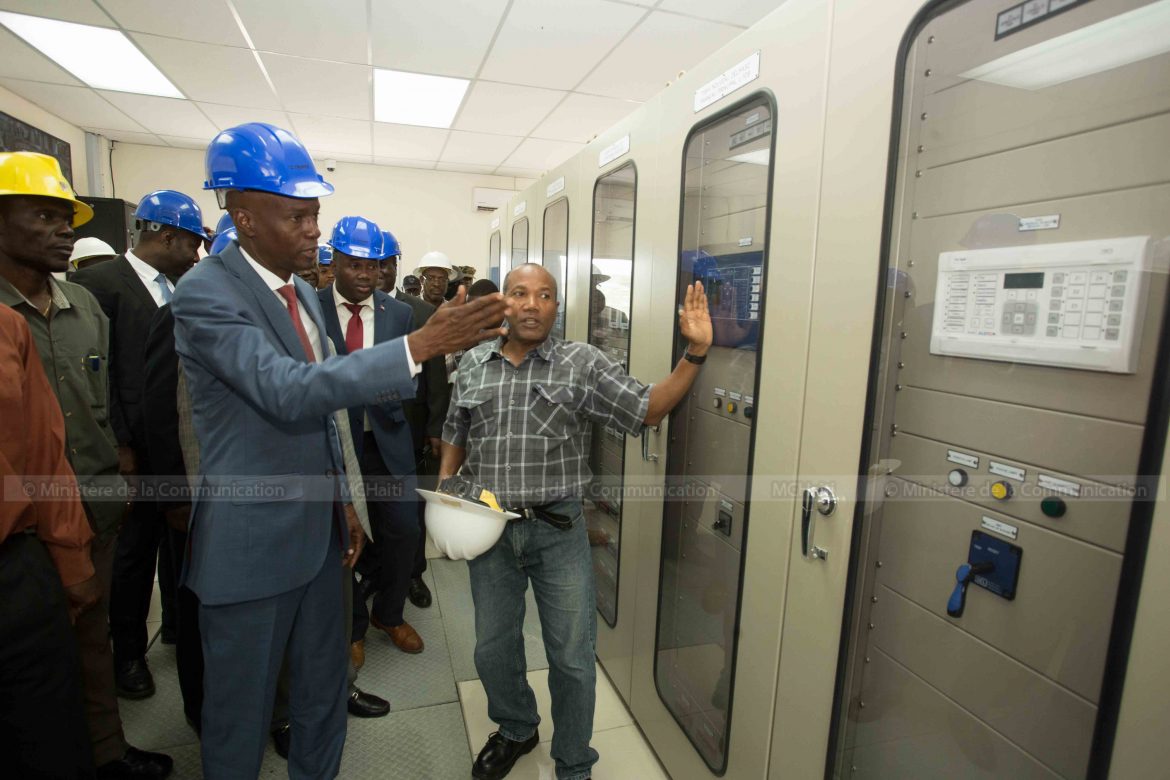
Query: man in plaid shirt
point(521, 413)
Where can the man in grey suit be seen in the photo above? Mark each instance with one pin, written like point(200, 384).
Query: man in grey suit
point(271, 502)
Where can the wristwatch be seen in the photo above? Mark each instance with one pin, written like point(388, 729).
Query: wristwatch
point(698, 360)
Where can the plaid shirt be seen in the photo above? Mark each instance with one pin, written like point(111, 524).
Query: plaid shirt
point(526, 429)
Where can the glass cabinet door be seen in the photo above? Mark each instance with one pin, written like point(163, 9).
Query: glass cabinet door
point(519, 243)
point(726, 175)
point(556, 255)
point(610, 298)
point(494, 258)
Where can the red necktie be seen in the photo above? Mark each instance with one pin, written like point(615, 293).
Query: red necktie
point(289, 293)
point(355, 335)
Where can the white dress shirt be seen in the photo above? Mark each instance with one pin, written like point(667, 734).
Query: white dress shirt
point(344, 315)
point(149, 276)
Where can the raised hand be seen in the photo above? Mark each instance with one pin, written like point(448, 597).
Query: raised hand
point(694, 320)
point(459, 325)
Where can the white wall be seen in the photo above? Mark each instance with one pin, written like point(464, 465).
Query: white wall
point(15, 105)
point(424, 209)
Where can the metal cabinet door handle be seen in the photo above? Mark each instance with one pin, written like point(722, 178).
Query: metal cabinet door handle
point(647, 455)
point(825, 503)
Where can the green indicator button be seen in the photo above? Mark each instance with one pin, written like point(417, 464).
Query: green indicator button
point(1053, 506)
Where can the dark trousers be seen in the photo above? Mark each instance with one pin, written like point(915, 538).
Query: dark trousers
point(428, 474)
point(244, 646)
point(133, 580)
point(42, 717)
point(188, 641)
point(393, 507)
point(97, 663)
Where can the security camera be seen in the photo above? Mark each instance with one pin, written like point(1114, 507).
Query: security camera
point(331, 165)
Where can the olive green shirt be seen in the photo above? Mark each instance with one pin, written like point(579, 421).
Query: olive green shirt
point(73, 340)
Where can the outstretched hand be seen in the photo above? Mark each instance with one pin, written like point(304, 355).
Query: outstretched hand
point(459, 325)
point(694, 320)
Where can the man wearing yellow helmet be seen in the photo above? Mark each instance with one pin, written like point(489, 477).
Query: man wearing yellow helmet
point(38, 212)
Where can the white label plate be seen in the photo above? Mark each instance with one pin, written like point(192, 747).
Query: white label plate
point(555, 187)
point(613, 151)
point(519, 208)
point(999, 527)
point(746, 241)
point(734, 396)
point(1004, 470)
point(1058, 485)
point(495, 223)
point(963, 459)
point(727, 82)
point(719, 391)
point(1047, 222)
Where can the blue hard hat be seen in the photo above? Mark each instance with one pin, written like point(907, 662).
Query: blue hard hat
point(167, 207)
point(325, 254)
point(259, 156)
point(222, 239)
point(359, 237)
point(390, 246)
point(224, 223)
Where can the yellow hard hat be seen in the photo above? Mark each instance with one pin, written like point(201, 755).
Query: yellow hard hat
point(29, 173)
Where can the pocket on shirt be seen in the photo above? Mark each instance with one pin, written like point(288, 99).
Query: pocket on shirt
point(552, 410)
point(95, 366)
point(481, 412)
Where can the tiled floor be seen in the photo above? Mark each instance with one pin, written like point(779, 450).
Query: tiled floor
point(438, 718)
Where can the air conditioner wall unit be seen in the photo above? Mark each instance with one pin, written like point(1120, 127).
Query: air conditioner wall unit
point(489, 198)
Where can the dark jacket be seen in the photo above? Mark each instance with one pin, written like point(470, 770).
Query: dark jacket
point(429, 411)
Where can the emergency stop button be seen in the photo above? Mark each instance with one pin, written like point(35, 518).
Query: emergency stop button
point(1001, 491)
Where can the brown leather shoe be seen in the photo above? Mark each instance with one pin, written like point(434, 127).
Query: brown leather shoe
point(404, 637)
point(357, 654)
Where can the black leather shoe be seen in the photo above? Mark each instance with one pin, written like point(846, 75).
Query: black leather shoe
point(366, 705)
point(420, 594)
point(500, 754)
point(132, 680)
point(281, 739)
point(137, 765)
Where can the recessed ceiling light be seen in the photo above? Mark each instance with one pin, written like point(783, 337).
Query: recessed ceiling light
point(415, 99)
point(101, 57)
point(1121, 40)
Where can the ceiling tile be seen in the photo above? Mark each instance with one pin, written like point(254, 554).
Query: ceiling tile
point(742, 12)
point(334, 30)
point(127, 137)
point(230, 116)
point(554, 45)
point(207, 21)
point(506, 109)
point(465, 168)
point(165, 116)
point(185, 143)
point(581, 117)
point(79, 105)
point(539, 154)
point(327, 135)
point(199, 69)
point(654, 53)
point(478, 148)
point(364, 159)
point(21, 61)
point(322, 88)
point(442, 37)
point(83, 11)
point(396, 162)
point(407, 142)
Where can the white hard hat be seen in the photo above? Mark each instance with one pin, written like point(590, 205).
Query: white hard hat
point(438, 260)
point(462, 529)
point(89, 247)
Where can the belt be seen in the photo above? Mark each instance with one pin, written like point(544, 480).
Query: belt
point(542, 512)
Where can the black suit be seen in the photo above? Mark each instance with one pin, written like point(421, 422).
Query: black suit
point(130, 308)
point(161, 413)
point(426, 417)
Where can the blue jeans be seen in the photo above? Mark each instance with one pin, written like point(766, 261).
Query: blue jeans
point(561, 570)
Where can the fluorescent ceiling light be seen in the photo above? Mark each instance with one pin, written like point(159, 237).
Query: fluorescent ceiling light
point(758, 157)
point(1120, 40)
point(101, 57)
point(415, 99)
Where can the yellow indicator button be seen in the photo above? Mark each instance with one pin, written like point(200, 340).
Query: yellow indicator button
point(1001, 491)
point(731, 407)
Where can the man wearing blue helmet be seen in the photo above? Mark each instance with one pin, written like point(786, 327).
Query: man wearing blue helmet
point(359, 315)
point(272, 499)
point(130, 289)
point(324, 266)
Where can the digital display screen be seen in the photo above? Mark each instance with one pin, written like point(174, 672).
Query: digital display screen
point(734, 296)
point(1033, 281)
